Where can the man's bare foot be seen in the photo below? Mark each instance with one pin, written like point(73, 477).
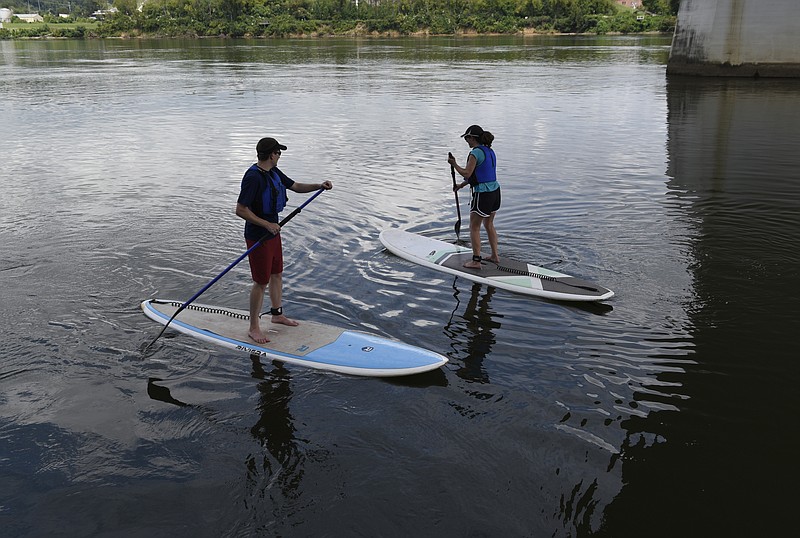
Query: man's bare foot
point(494, 259)
point(472, 265)
point(258, 336)
point(283, 320)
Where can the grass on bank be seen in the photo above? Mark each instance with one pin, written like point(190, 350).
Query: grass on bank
point(44, 29)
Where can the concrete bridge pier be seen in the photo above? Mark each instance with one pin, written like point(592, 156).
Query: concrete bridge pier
point(740, 38)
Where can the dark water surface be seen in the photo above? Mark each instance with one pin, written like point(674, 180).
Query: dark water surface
point(670, 411)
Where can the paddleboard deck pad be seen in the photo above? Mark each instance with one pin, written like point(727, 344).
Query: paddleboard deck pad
point(309, 344)
point(508, 274)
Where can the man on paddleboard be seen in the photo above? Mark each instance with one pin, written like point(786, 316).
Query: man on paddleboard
point(480, 173)
point(261, 198)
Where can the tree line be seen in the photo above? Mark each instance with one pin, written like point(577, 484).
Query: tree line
point(282, 18)
point(74, 8)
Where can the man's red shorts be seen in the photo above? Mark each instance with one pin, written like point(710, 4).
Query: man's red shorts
point(266, 260)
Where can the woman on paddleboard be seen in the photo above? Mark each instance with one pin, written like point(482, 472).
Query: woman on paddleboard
point(262, 197)
point(480, 174)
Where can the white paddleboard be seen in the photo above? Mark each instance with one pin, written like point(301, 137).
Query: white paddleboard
point(309, 344)
point(511, 275)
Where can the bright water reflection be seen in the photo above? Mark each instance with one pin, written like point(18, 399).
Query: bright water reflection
point(121, 162)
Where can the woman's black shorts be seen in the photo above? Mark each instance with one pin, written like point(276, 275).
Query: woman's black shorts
point(485, 203)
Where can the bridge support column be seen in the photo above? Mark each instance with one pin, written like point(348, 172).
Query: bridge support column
point(742, 38)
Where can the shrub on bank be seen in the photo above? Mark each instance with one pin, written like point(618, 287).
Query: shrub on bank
point(284, 18)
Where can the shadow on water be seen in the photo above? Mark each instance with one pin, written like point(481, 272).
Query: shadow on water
point(595, 307)
point(434, 378)
point(724, 458)
point(162, 393)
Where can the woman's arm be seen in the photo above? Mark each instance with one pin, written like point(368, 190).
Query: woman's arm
point(465, 172)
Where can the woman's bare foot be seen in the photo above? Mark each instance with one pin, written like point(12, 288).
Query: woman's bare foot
point(472, 265)
point(258, 336)
point(494, 259)
point(283, 320)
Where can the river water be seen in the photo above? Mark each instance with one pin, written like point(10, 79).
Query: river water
point(669, 411)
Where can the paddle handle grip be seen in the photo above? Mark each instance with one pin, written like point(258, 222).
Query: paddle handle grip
point(297, 210)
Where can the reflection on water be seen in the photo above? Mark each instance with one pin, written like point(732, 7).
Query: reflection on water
point(734, 179)
point(281, 465)
point(661, 410)
point(476, 331)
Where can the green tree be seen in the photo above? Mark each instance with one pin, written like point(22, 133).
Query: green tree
point(288, 17)
point(661, 7)
point(126, 7)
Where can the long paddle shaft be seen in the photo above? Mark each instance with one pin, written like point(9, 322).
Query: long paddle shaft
point(231, 266)
point(458, 206)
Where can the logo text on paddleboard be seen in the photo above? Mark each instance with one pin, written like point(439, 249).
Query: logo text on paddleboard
point(367, 348)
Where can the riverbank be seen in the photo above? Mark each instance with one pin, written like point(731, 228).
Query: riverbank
point(86, 34)
point(289, 27)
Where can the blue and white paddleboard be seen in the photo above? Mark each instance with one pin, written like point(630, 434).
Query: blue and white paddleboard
point(511, 275)
point(309, 344)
